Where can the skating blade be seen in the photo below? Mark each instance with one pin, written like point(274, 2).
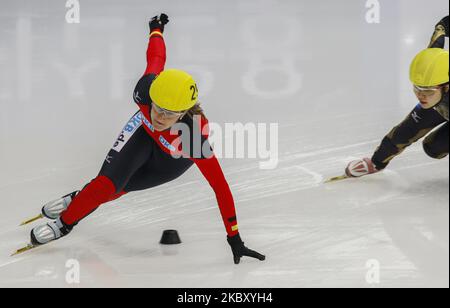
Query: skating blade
point(32, 220)
point(24, 249)
point(336, 178)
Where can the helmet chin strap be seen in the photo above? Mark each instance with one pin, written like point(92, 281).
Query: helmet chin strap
point(181, 118)
point(443, 92)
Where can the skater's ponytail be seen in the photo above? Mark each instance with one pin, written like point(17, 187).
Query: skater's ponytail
point(196, 110)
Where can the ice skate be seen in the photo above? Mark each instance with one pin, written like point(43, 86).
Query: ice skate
point(53, 209)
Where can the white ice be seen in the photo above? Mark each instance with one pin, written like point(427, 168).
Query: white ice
point(334, 83)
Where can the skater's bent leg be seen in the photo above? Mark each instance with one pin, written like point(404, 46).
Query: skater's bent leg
point(98, 191)
point(131, 150)
point(160, 169)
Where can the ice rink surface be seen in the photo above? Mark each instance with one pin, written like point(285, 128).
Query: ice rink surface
point(334, 83)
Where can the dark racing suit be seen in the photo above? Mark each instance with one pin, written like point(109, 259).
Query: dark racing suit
point(143, 158)
point(420, 121)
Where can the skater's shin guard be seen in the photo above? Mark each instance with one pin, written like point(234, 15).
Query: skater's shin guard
point(98, 191)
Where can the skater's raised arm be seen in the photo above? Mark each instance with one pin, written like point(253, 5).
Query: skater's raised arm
point(440, 33)
point(156, 51)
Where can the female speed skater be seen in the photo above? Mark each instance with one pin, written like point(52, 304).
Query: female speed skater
point(149, 152)
point(429, 74)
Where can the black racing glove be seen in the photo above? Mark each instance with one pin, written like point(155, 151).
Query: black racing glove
point(239, 250)
point(158, 22)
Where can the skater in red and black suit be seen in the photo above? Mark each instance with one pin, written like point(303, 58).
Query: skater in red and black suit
point(159, 143)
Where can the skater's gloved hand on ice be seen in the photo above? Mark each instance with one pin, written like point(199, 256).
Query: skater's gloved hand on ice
point(360, 167)
point(158, 22)
point(239, 250)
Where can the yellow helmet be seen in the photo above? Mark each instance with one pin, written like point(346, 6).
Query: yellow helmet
point(174, 90)
point(430, 68)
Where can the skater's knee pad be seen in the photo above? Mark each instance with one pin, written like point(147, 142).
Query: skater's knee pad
point(433, 150)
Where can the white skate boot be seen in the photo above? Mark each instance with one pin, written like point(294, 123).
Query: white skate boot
point(49, 232)
point(53, 209)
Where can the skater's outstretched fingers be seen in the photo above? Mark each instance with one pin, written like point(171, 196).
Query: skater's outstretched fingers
point(239, 250)
point(253, 254)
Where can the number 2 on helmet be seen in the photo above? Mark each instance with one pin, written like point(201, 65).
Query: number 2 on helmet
point(194, 90)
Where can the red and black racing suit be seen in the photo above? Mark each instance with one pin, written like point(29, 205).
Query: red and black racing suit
point(143, 158)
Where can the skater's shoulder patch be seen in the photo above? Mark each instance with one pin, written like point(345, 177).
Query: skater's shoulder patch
point(141, 93)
